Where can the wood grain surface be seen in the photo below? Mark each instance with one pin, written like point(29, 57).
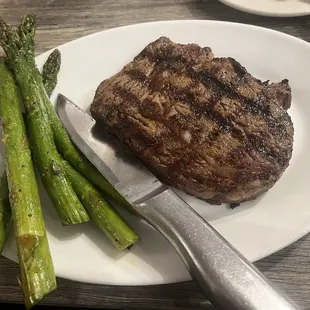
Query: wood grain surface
point(60, 21)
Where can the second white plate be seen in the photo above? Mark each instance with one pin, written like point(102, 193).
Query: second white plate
point(284, 8)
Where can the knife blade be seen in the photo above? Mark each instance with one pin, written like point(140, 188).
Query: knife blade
point(229, 280)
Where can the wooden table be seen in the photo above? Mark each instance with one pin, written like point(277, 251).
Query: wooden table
point(60, 21)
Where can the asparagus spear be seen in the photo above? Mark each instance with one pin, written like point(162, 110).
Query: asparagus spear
point(50, 71)
point(5, 209)
point(17, 46)
point(37, 271)
point(103, 213)
point(64, 144)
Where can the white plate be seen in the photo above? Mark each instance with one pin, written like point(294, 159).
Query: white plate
point(280, 8)
point(258, 228)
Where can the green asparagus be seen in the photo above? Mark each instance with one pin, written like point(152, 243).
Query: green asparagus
point(5, 209)
point(50, 71)
point(17, 44)
point(64, 144)
point(102, 213)
point(37, 271)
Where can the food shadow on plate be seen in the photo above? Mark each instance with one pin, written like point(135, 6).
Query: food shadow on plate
point(152, 248)
point(213, 212)
point(145, 247)
point(233, 210)
point(97, 238)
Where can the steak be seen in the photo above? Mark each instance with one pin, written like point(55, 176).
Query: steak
point(201, 124)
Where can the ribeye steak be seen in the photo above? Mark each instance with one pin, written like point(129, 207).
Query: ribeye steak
point(201, 124)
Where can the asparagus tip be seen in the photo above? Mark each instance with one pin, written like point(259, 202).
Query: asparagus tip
point(28, 24)
point(55, 52)
point(3, 30)
point(55, 56)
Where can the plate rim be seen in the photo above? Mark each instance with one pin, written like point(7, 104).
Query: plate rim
point(254, 11)
point(188, 21)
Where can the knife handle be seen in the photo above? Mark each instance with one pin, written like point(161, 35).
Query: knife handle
point(230, 281)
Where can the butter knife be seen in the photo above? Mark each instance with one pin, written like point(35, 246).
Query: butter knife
point(229, 280)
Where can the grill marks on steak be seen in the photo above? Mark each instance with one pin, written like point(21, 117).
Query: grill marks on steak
point(202, 124)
